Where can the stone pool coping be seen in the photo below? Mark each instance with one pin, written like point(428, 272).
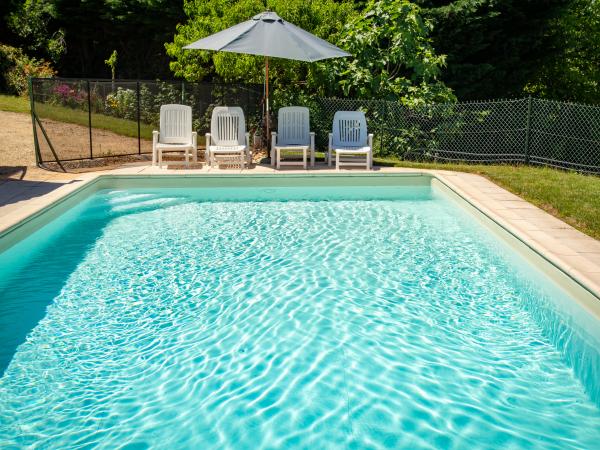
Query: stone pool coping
point(575, 253)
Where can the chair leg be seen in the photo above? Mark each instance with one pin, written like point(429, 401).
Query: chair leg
point(329, 158)
point(160, 159)
point(337, 161)
point(154, 156)
point(278, 158)
point(304, 162)
point(187, 159)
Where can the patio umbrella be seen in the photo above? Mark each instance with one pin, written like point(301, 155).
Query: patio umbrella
point(267, 34)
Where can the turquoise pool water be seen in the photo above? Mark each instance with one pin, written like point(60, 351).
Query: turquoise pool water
point(311, 318)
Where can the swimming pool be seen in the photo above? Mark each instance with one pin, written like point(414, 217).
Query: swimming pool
point(312, 312)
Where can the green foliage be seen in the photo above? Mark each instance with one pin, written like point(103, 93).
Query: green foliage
point(574, 74)
point(91, 29)
point(122, 103)
point(494, 47)
point(392, 56)
point(32, 22)
point(16, 68)
point(112, 63)
point(324, 18)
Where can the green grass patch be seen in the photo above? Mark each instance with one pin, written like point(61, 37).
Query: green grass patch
point(117, 125)
point(570, 196)
point(13, 103)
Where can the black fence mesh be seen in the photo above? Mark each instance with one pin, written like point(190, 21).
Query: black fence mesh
point(80, 119)
point(85, 119)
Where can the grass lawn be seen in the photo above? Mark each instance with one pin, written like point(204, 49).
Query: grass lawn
point(570, 196)
point(119, 126)
point(14, 104)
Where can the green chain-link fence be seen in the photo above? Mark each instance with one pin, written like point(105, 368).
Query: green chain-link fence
point(78, 119)
point(86, 119)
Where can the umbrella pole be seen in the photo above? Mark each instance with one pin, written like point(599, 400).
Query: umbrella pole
point(267, 103)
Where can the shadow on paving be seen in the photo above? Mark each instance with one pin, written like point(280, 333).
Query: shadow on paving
point(8, 172)
point(13, 190)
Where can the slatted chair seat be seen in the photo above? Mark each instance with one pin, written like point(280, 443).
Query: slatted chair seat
point(349, 140)
point(228, 135)
point(175, 134)
point(293, 136)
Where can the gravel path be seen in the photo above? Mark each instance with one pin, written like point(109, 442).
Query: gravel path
point(16, 140)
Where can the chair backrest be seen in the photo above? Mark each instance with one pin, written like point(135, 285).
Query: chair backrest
point(175, 124)
point(293, 126)
point(228, 126)
point(349, 129)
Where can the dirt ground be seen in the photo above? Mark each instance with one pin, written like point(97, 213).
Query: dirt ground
point(70, 141)
point(16, 140)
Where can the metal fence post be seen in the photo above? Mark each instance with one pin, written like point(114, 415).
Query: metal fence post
point(90, 117)
point(36, 144)
point(137, 88)
point(382, 132)
point(528, 129)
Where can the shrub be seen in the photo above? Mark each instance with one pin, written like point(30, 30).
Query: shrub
point(16, 67)
point(69, 95)
point(122, 103)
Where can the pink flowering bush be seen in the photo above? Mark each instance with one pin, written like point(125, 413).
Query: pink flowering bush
point(69, 95)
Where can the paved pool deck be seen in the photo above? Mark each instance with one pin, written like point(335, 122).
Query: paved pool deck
point(572, 251)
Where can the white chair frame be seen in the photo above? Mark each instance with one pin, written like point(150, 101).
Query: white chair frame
point(349, 139)
point(228, 136)
point(175, 134)
point(293, 134)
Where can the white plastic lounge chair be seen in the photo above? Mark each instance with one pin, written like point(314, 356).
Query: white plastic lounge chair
point(349, 140)
point(293, 136)
point(228, 135)
point(175, 134)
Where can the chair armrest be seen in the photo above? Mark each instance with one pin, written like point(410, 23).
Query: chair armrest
point(195, 140)
point(370, 141)
point(330, 141)
point(155, 137)
point(273, 139)
point(312, 140)
point(207, 140)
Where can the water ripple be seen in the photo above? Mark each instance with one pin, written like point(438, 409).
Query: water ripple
point(296, 324)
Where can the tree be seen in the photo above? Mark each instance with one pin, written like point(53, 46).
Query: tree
point(494, 47)
point(392, 56)
point(76, 35)
point(33, 22)
point(324, 18)
point(574, 73)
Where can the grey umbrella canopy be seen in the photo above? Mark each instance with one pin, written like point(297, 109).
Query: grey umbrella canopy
point(267, 34)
